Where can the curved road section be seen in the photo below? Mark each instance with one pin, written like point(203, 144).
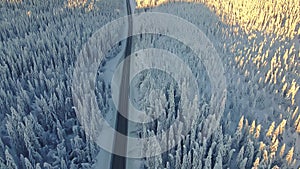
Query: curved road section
point(120, 144)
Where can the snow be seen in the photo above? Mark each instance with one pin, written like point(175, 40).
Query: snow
point(38, 48)
point(103, 159)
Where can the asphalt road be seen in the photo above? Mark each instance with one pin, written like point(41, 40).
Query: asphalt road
point(120, 144)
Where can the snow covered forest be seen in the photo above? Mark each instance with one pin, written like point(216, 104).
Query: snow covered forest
point(39, 44)
point(259, 46)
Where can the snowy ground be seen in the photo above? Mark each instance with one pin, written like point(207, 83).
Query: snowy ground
point(103, 159)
